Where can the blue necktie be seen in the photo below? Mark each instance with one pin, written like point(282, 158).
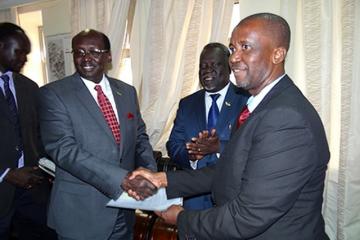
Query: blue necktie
point(10, 99)
point(213, 112)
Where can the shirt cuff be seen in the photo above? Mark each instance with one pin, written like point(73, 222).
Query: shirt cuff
point(193, 164)
point(4, 174)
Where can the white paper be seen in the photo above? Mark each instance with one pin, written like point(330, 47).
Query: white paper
point(157, 202)
point(47, 166)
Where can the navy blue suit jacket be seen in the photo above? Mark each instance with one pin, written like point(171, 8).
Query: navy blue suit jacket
point(190, 120)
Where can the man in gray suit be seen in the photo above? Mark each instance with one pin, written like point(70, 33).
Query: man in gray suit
point(269, 180)
point(92, 128)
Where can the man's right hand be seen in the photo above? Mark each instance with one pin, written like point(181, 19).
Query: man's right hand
point(25, 177)
point(158, 179)
point(142, 186)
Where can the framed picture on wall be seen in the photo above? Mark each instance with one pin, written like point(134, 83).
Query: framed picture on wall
point(59, 60)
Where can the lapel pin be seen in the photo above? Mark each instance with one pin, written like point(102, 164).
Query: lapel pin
point(227, 103)
point(118, 93)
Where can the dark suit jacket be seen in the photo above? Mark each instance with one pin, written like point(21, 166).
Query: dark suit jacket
point(190, 120)
point(269, 180)
point(90, 165)
point(26, 95)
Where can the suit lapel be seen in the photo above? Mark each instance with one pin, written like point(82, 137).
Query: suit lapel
point(85, 97)
point(227, 110)
point(118, 94)
point(285, 82)
point(199, 111)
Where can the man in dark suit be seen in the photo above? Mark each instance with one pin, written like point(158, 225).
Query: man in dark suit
point(92, 128)
point(269, 180)
point(195, 141)
point(24, 190)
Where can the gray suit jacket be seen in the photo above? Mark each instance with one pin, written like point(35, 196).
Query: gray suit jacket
point(269, 180)
point(90, 165)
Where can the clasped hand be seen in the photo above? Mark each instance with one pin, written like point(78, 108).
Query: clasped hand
point(143, 183)
point(206, 143)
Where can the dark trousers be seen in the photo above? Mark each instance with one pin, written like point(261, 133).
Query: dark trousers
point(26, 218)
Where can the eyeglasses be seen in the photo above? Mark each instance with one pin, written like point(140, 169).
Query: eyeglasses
point(95, 53)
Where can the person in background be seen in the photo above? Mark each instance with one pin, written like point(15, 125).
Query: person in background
point(92, 128)
point(205, 118)
point(269, 180)
point(24, 189)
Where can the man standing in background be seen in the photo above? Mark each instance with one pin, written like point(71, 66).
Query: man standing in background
point(205, 118)
point(24, 189)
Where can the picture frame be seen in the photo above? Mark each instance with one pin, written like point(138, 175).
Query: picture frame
point(58, 55)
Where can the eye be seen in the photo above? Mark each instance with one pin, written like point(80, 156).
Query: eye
point(232, 49)
point(245, 46)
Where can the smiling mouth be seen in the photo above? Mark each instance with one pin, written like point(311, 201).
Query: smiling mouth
point(208, 78)
point(88, 67)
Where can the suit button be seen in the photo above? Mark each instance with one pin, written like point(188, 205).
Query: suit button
point(17, 148)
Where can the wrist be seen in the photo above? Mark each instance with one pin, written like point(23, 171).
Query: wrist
point(162, 179)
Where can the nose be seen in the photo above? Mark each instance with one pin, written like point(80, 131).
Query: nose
point(87, 56)
point(234, 57)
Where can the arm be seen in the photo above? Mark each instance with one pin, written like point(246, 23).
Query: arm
point(143, 150)
point(176, 145)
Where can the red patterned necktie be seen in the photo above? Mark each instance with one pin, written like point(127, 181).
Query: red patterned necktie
point(109, 113)
point(245, 113)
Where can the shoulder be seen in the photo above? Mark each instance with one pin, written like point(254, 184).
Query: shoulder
point(62, 83)
point(193, 98)
point(24, 80)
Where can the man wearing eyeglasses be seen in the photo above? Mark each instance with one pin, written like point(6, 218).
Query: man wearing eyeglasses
point(93, 130)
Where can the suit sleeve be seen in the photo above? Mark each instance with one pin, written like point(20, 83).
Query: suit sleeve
point(281, 160)
point(60, 142)
point(176, 144)
point(188, 183)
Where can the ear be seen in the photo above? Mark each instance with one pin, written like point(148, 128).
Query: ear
point(109, 57)
point(279, 55)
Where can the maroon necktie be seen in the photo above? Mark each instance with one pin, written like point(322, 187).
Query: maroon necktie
point(245, 113)
point(109, 113)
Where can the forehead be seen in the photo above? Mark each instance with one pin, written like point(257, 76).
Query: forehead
point(249, 30)
point(212, 54)
point(89, 40)
point(18, 41)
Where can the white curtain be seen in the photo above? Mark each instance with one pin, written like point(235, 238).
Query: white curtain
point(107, 16)
point(167, 38)
point(325, 65)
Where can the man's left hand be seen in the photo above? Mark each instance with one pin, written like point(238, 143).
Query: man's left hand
point(171, 214)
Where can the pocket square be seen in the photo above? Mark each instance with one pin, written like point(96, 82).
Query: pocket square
point(130, 116)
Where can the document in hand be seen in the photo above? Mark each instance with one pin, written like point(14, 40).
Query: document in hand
point(157, 202)
point(47, 166)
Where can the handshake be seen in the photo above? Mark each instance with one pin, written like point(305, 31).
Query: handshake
point(143, 183)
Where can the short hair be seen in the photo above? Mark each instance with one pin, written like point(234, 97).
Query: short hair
point(212, 45)
point(278, 26)
point(85, 32)
point(8, 30)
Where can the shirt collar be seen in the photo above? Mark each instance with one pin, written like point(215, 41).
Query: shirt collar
point(222, 92)
point(104, 83)
point(254, 101)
